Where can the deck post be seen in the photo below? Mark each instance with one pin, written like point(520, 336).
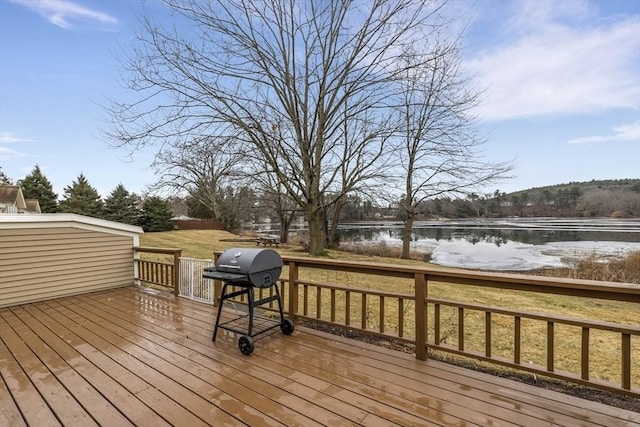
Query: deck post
point(293, 290)
point(176, 272)
point(421, 316)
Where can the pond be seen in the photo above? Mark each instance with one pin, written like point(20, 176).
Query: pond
point(505, 244)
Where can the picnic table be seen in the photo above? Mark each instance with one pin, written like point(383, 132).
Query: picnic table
point(267, 240)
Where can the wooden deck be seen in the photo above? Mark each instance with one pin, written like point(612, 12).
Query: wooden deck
point(127, 357)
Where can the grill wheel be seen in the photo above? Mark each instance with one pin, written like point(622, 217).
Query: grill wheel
point(286, 327)
point(245, 344)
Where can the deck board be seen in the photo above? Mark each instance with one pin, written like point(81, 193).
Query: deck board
point(128, 357)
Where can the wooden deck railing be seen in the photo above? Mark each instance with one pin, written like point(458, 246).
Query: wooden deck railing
point(160, 273)
point(418, 319)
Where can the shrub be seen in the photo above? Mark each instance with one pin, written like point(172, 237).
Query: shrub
point(623, 269)
point(381, 249)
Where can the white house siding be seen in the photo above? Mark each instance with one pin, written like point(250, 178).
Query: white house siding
point(57, 255)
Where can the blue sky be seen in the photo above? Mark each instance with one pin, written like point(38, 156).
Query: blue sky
point(562, 81)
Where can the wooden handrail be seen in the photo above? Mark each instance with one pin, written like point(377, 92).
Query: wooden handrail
point(629, 292)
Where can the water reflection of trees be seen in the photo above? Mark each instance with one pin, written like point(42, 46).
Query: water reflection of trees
point(475, 235)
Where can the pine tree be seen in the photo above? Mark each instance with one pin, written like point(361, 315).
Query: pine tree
point(156, 215)
point(37, 186)
point(81, 198)
point(120, 206)
point(4, 179)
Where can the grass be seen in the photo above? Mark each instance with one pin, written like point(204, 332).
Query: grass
point(605, 363)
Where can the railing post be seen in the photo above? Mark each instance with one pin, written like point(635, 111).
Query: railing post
point(421, 316)
point(176, 272)
point(293, 290)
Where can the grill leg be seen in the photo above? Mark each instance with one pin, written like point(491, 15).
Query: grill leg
point(251, 305)
point(279, 303)
point(222, 298)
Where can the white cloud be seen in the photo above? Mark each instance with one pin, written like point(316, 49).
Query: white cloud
point(7, 153)
point(627, 132)
point(64, 13)
point(559, 60)
point(8, 137)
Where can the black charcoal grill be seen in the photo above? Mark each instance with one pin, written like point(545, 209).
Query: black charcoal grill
point(242, 270)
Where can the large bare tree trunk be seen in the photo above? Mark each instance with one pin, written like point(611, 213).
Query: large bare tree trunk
point(333, 237)
point(406, 236)
point(316, 231)
point(285, 224)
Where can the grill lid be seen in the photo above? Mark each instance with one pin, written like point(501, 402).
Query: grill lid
point(248, 260)
point(258, 267)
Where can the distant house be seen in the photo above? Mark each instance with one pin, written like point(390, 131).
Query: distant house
point(13, 202)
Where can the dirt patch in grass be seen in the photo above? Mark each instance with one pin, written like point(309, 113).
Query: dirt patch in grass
point(588, 393)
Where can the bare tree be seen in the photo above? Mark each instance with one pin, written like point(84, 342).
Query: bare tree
point(440, 145)
point(281, 75)
point(274, 199)
point(202, 168)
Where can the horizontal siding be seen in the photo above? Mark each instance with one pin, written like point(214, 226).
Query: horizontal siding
point(68, 253)
point(41, 263)
point(17, 234)
point(46, 274)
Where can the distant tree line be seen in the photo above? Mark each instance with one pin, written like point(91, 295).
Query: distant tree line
point(151, 213)
point(605, 198)
point(239, 205)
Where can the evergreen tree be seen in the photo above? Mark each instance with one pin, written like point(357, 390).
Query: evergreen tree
point(37, 186)
point(4, 179)
point(81, 198)
point(120, 206)
point(156, 215)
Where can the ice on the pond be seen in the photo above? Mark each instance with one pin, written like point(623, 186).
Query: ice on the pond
point(507, 243)
point(511, 255)
point(488, 256)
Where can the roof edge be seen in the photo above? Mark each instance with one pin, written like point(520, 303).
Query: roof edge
point(58, 218)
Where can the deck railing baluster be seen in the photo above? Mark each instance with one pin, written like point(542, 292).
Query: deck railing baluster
point(461, 328)
point(363, 314)
point(550, 346)
point(626, 361)
point(584, 358)
point(381, 316)
point(517, 339)
point(487, 333)
point(401, 317)
point(347, 308)
point(436, 324)
point(333, 305)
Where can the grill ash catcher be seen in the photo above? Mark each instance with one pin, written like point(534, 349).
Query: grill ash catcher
point(246, 269)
